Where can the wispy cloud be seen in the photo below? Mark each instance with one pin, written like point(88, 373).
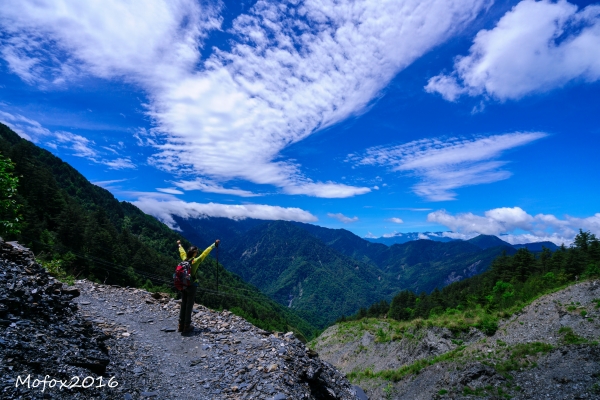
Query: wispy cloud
point(535, 47)
point(164, 210)
point(396, 220)
point(391, 234)
point(342, 218)
point(409, 209)
point(108, 184)
point(169, 190)
point(510, 222)
point(443, 165)
point(118, 163)
point(78, 145)
point(207, 186)
point(291, 70)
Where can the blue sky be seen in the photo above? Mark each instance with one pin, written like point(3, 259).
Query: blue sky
point(465, 116)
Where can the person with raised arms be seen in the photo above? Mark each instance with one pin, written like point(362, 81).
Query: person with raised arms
point(187, 283)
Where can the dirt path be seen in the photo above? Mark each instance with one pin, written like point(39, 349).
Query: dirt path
point(225, 358)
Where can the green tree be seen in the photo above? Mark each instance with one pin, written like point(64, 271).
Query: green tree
point(584, 239)
point(9, 208)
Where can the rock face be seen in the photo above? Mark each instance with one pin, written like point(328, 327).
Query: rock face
point(548, 350)
point(124, 339)
point(350, 350)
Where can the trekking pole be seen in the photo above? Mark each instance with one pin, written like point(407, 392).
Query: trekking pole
point(217, 269)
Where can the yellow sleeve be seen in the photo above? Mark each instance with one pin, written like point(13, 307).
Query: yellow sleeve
point(196, 262)
point(182, 253)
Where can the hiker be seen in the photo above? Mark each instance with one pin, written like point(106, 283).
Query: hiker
point(189, 284)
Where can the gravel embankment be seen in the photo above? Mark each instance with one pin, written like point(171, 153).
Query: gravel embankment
point(570, 370)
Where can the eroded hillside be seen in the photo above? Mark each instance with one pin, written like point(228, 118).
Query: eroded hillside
point(548, 350)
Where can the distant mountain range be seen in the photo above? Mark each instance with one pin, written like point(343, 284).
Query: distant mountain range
point(484, 241)
point(399, 238)
point(324, 273)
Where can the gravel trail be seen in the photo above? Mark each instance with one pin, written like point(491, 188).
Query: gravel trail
point(225, 357)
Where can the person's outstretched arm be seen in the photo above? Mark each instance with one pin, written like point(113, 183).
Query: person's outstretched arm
point(182, 252)
point(202, 256)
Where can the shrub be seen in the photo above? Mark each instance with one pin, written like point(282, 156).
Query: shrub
point(488, 325)
point(569, 337)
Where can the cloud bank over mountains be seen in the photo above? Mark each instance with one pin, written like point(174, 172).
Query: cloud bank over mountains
point(515, 225)
point(535, 47)
point(165, 209)
point(291, 70)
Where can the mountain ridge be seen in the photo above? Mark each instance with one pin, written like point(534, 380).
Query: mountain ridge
point(369, 271)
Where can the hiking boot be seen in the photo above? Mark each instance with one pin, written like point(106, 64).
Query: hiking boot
point(180, 327)
point(187, 329)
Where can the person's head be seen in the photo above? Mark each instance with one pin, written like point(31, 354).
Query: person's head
point(192, 251)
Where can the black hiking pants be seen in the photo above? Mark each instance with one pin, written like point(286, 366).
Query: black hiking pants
point(187, 305)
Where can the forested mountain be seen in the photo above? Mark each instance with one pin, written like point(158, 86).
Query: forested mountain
point(511, 282)
point(81, 230)
point(424, 265)
point(483, 241)
point(537, 246)
point(299, 270)
point(488, 241)
point(348, 243)
point(325, 273)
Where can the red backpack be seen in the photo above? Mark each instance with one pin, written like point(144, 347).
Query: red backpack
point(183, 275)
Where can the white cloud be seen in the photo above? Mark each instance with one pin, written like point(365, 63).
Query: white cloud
point(445, 165)
point(396, 220)
point(342, 218)
point(535, 47)
point(514, 225)
point(291, 70)
point(52, 41)
point(77, 144)
point(169, 190)
point(391, 234)
point(117, 163)
point(328, 190)
point(423, 236)
point(107, 184)
point(370, 235)
point(165, 209)
point(211, 187)
point(24, 127)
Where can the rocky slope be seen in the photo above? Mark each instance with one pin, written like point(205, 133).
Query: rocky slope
point(121, 344)
point(548, 350)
